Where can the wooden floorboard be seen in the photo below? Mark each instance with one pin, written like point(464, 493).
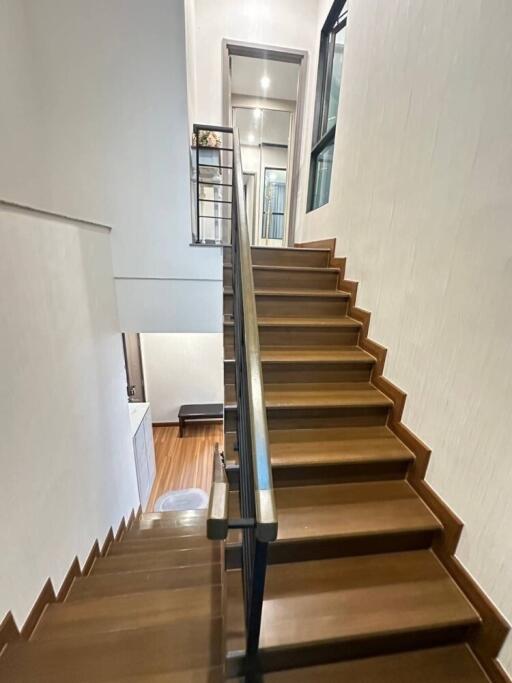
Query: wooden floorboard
point(186, 462)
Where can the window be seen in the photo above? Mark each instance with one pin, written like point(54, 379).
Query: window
point(330, 65)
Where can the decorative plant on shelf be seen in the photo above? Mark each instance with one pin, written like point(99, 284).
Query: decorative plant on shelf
point(207, 138)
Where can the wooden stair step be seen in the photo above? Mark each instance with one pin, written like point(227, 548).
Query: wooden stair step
point(335, 445)
point(296, 278)
point(117, 656)
point(344, 519)
point(157, 559)
point(330, 455)
point(194, 522)
point(318, 395)
point(316, 354)
point(450, 664)
point(306, 321)
point(122, 583)
point(352, 606)
point(141, 544)
point(292, 256)
point(294, 302)
point(125, 612)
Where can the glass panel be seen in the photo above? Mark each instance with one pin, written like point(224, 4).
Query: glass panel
point(333, 94)
point(274, 203)
point(264, 138)
point(322, 176)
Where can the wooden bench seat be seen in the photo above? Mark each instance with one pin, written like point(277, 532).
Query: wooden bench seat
point(199, 411)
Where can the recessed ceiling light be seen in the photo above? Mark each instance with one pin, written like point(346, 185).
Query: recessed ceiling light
point(256, 113)
point(265, 82)
point(250, 137)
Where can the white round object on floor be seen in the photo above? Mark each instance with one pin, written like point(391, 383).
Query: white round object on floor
point(182, 499)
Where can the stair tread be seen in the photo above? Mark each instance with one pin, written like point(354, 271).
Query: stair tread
point(450, 664)
point(316, 293)
point(128, 611)
point(308, 354)
point(121, 583)
point(349, 510)
point(328, 394)
point(342, 444)
point(147, 540)
point(194, 522)
point(118, 655)
point(350, 599)
point(342, 321)
point(157, 559)
point(295, 447)
point(307, 269)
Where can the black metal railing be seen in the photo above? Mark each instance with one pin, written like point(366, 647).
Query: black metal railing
point(258, 516)
point(213, 200)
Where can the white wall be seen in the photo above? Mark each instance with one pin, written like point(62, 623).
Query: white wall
point(94, 125)
point(287, 23)
point(66, 458)
point(421, 205)
point(181, 368)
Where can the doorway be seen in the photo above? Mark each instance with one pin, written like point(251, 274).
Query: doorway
point(263, 98)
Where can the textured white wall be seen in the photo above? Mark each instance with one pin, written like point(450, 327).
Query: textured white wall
point(421, 206)
point(181, 368)
point(94, 125)
point(66, 457)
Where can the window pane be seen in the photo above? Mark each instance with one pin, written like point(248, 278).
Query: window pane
point(333, 94)
point(322, 176)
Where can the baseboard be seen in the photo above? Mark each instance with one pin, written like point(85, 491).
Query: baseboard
point(9, 631)
point(191, 422)
point(488, 639)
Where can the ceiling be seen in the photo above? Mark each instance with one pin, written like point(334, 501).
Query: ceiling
point(247, 72)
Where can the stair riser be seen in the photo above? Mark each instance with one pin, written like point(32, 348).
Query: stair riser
point(285, 257)
point(289, 279)
point(312, 418)
point(301, 551)
point(156, 560)
point(275, 373)
point(128, 547)
point(296, 337)
point(142, 581)
point(322, 653)
point(329, 474)
point(294, 306)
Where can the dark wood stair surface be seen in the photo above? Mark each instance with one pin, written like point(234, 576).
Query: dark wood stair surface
point(320, 395)
point(354, 590)
point(351, 605)
point(347, 518)
point(450, 664)
point(150, 611)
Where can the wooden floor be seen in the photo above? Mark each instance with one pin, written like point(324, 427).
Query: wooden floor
point(184, 463)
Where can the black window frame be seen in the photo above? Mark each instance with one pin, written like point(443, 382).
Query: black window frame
point(335, 22)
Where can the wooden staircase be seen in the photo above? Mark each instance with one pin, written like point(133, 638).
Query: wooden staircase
point(150, 611)
point(358, 588)
point(354, 590)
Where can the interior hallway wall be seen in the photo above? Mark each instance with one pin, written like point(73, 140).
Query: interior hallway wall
point(421, 205)
point(67, 471)
point(181, 368)
point(287, 23)
point(94, 125)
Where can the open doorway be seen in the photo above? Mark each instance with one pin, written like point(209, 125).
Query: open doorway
point(263, 90)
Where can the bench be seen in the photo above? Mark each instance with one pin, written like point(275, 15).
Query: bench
point(199, 411)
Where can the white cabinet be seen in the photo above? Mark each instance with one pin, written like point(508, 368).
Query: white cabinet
point(143, 449)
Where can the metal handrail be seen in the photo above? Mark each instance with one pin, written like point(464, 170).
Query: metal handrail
point(258, 521)
point(217, 520)
point(266, 514)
